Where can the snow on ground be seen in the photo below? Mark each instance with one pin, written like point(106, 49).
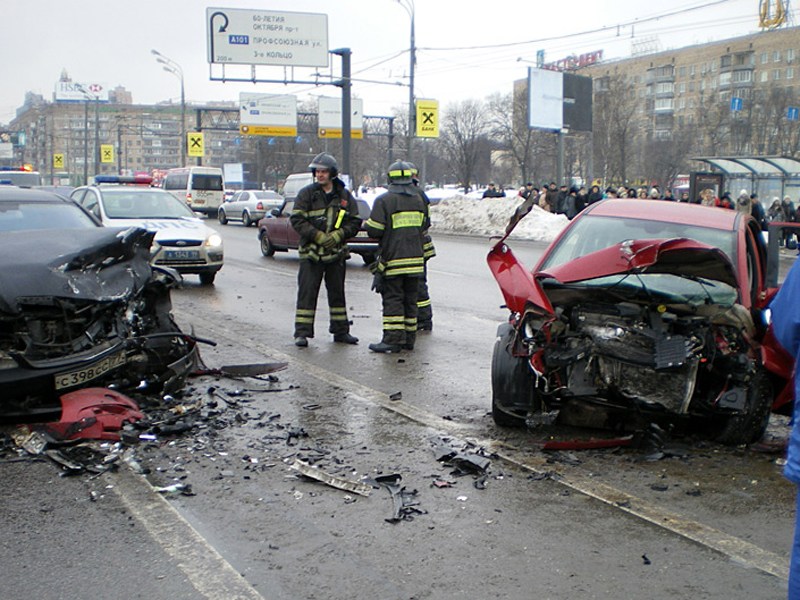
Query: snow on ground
point(453, 212)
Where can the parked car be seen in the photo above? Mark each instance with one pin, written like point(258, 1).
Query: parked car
point(80, 305)
point(249, 206)
point(640, 312)
point(182, 241)
point(276, 234)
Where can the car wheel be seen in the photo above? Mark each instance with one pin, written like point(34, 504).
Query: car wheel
point(223, 220)
point(749, 426)
point(246, 219)
point(368, 258)
point(512, 384)
point(267, 249)
point(207, 277)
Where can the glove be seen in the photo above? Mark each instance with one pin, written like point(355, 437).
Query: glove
point(337, 235)
point(377, 282)
point(321, 238)
point(329, 243)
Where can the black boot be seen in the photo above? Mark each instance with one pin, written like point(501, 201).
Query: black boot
point(384, 348)
point(345, 338)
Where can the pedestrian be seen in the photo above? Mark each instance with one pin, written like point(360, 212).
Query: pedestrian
point(757, 211)
point(552, 197)
point(684, 198)
point(744, 203)
point(571, 203)
point(325, 215)
point(611, 192)
point(561, 200)
point(668, 195)
point(526, 191)
point(725, 201)
point(399, 219)
point(493, 192)
point(595, 195)
point(424, 306)
point(786, 327)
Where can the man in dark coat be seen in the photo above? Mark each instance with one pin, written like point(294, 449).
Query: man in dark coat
point(325, 215)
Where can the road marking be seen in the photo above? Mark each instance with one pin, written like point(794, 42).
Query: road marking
point(209, 573)
point(731, 546)
point(450, 273)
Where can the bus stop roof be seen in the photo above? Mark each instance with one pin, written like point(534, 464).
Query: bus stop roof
point(758, 166)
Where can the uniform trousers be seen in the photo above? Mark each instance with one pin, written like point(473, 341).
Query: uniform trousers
point(309, 280)
point(400, 310)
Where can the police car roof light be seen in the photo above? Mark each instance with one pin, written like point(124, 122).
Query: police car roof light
point(124, 179)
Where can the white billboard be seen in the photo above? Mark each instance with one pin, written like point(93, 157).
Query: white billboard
point(545, 99)
point(267, 37)
point(267, 114)
point(74, 91)
point(330, 117)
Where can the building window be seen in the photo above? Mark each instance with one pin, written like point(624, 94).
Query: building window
point(682, 104)
point(725, 61)
point(682, 72)
point(691, 86)
point(692, 70)
point(725, 78)
point(776, 75)
point(789, 72)
point(681, 88)
point(790, 55)
point(665, 87)
point(764, 58)
point(741, 76)
point(764, 76)
point(663, 104)
point(776, 56)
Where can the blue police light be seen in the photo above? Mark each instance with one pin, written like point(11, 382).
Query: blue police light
point(123, 179)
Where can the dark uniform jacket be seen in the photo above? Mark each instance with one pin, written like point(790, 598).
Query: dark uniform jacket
point(399, 219)
point(315, 211)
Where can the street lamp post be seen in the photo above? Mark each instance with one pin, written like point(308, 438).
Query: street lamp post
point(170, 66)
point(408, 5)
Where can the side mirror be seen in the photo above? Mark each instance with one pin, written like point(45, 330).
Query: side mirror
point(275, 212)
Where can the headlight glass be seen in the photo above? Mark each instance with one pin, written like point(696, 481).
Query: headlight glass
point(214, 240)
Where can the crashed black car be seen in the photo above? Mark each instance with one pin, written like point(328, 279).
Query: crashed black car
point(80, 305)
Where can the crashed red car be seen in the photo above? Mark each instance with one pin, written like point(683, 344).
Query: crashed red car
point(642, 311)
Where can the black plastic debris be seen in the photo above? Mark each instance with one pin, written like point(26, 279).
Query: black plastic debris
point(396, 396)
point(405, 506)
point(646, 560)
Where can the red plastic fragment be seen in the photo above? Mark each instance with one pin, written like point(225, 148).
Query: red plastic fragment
point(94, 414)
point(589, 444)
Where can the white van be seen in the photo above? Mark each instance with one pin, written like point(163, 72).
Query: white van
point(296, 182)
point(200, 187)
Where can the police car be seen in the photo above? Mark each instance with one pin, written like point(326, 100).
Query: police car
point(183, 241)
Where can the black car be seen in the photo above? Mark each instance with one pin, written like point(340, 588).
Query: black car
point(80, 305)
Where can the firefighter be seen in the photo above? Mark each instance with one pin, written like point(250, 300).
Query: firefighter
point(399, 220)
point(325, 215)
point(424, 307)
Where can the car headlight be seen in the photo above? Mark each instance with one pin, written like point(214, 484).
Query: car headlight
point(214, 241)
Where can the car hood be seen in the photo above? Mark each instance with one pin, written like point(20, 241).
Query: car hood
point(680, 256)
point(168, 229)
point(102, 264)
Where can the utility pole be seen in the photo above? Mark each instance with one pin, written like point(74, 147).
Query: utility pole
point(347, 110)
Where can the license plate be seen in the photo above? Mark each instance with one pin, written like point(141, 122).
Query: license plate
point(79, 376)
point(181, 254)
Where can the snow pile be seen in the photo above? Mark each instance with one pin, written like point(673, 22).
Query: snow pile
point(489, 216)
point(456, 213)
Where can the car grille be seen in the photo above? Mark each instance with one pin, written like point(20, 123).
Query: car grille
point(180, 243)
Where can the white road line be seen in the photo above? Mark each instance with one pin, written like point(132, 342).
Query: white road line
point(731, 546)
point(209, 573)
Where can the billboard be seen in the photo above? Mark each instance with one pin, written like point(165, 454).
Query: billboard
point(268, 114)
point(74, 91)
point(330, 118)
point(558, 101)
point(267, 37)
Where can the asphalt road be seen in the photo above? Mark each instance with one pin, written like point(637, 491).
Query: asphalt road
point(705, 522)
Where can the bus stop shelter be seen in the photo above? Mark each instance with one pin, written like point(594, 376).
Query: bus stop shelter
point(768, 176)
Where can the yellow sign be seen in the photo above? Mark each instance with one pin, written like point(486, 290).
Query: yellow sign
point(106, 153)
point(58, 161)
point(271, 130)
point(428, 118)
point(194, 141)
point(336, 134)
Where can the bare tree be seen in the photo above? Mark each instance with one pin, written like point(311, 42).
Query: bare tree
point(712, 123)
point(615, 127)
point(463, 136)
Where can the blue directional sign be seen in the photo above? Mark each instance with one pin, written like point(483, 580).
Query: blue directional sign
point(736, 104)
point(793, 113)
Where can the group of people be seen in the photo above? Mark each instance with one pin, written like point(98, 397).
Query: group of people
point(325, 216)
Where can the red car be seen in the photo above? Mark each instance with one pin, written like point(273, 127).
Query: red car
point(642, 311)
point(276, 234)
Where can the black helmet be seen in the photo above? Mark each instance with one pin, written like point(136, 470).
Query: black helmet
point(323, 160)
point(400, 172)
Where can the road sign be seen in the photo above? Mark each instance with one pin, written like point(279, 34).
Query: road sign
point(428, 118)
point(736, 104)
point(268, 114)
point(329, 121)
point(58, 161)
point(793, 113)
point(106, 153)
point(194, 141)
point(267, 37)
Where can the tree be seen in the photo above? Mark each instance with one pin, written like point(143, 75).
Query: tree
point(615, 127)
point(463, 135)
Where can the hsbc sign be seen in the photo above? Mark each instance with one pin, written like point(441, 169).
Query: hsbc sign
point(73, 91)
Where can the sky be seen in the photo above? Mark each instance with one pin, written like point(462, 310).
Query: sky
point(466, 49)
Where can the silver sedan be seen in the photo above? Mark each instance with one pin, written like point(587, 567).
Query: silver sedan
point(248, 206)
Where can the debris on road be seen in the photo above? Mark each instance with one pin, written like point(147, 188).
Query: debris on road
point(316, 474)
point(403, 500)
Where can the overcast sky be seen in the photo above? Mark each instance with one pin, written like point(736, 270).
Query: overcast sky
point(466, 48)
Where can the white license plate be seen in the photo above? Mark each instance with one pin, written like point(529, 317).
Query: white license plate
point(181, 254)
point(79, 376)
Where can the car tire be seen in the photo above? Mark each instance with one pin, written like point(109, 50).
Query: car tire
point(223, 220)
point(512, 384)
point(750, 426)
point(267, 249)
point(207, 277)
point(246, 220)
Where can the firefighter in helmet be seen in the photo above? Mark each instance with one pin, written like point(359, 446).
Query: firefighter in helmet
point(399, 219)
point(325, 215)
